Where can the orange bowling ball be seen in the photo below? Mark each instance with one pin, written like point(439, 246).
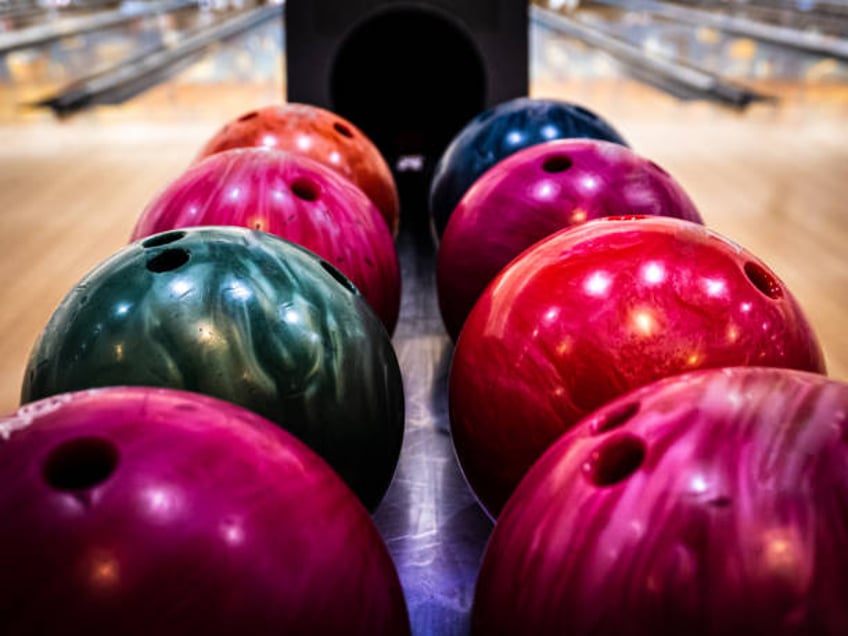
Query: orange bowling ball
point(320, 135)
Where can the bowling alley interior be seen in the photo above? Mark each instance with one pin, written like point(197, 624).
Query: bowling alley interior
point(436, 317)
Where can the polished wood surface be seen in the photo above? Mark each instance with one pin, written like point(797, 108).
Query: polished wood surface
point(774, 179)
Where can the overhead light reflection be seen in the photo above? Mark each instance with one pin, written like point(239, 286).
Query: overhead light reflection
point(597, 284)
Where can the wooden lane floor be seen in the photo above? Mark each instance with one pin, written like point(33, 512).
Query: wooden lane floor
point(774, 179)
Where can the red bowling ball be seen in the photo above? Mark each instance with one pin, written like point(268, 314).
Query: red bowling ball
point(140, 511)
point(709, 504)
point(534, 193)
point(295, 198)
point(319, 135)
point(595, 311)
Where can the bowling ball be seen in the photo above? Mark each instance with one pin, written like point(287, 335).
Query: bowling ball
point(707, 504)
point(246, 317)
point(322, 136)
point(139, 511)
point(597, 310)
point(295, 198)
point(500, 132)
point(534, 193)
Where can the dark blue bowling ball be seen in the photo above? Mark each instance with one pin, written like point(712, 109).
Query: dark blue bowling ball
point(499, 132)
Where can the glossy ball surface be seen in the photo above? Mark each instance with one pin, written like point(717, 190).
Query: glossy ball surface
point(151, 511)
point(295, 198)
point(499, 132)
point(319, 135)
point(245, 317)
point(708, 504)
point(598, 310)
point(534, 193)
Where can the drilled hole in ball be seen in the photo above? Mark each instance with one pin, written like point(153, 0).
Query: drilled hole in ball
point(162, 239)
point(248, 116)
point(343, 130)
point(341, 279)
point(616, 460)
point(81, 464)
point(616, 418)
point(722, 501)
point(763, 280)
point(557, 163)
point(168, 260)
point(306, 189)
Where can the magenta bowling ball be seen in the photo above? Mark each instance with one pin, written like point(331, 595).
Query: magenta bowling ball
point(139, 511)
point(598, 310)
point(295, 198)
point(535, 193)
point(708, 504)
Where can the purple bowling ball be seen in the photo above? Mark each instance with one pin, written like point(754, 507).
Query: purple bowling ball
point(708, 504)
point(140, 511)
point(535, 193)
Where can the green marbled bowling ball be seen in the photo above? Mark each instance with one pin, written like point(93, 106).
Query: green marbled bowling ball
point(246, 317)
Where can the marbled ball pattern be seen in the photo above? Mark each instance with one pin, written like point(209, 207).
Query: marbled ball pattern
point(598, 310)
point(295, 198)
point(500, 132)
point(536, 192)
point(321, 135)
point(141, 511)
point(707, 504)
point(246, 317)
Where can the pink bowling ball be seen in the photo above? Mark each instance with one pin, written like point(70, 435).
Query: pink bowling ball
point(141, 511)
point(533, 194)
point(297, 199)
point(708, 504)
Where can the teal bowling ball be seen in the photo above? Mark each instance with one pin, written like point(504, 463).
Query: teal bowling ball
point(246, 317)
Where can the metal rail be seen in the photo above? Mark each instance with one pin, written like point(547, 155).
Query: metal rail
point(45, 33)
point(137, 74)
point(683, 80)
point(809, 41)
point(13, 6)
point(819, 10)
point(25, 10)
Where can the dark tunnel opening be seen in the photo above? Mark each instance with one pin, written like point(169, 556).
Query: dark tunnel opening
point(411, 79)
